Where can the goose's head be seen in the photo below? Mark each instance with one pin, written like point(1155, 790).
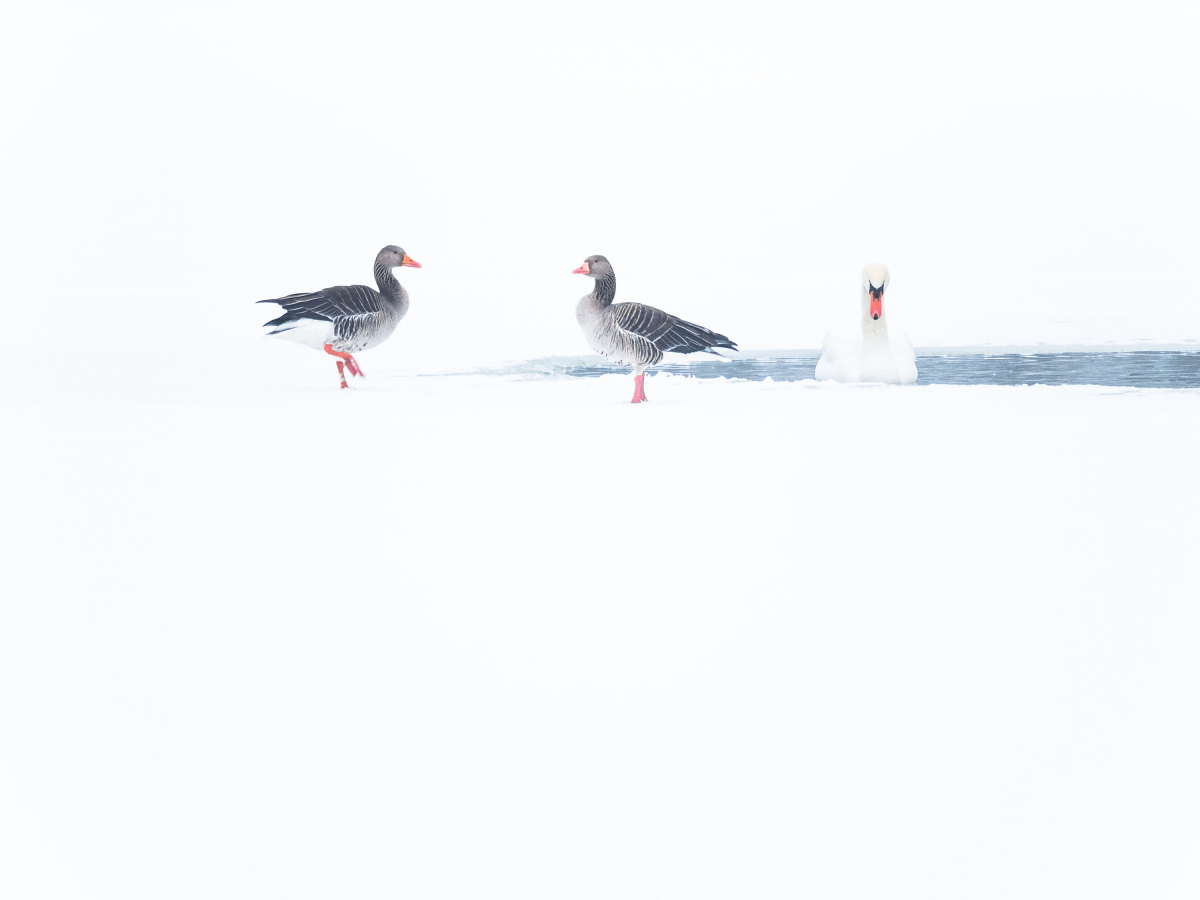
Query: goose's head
point(392, 256)
point(596, 266)
point(875, 279)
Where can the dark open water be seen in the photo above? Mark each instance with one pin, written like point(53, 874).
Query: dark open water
point(1138, 368)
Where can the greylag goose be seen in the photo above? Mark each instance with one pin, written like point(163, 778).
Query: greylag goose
point(633, 334)
point(346, 319)
point(870, 349)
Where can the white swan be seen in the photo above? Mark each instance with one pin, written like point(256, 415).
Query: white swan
point(870, 351)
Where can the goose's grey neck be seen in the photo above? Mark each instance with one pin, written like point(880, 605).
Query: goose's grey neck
point(389, 287)
point(606, 289)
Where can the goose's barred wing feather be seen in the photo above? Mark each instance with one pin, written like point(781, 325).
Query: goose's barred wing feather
point(357, 330)
point(665, 331)
point(332, 303)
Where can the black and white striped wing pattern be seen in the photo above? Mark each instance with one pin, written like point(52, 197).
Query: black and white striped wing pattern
point(358, 314)
point(668, 333)
point(330, 303)
point(612, 341)
point(354, 333)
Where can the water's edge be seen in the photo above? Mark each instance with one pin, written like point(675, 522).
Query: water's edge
point(1134, 368)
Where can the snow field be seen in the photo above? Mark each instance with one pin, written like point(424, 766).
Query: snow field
point(462, 637)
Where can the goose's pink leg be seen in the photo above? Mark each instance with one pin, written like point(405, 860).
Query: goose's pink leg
point(639, 394)
point(350, 363)
point(341, 374)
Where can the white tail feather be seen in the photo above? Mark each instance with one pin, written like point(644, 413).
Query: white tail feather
point(310, 332)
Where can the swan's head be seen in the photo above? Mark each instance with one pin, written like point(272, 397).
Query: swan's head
point(596, 266)
point(392, 256)
point(875, 280)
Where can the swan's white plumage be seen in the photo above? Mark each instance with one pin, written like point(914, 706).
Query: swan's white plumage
point(870, 349)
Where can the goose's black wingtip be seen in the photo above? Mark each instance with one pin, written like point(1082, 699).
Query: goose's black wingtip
point(292, 315)
point(723, 343)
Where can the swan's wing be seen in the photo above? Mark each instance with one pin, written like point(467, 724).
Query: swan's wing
point(904, 354)
point(841, 355)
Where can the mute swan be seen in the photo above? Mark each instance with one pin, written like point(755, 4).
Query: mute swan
point(871, 350)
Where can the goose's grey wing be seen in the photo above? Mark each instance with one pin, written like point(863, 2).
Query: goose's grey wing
point(667, 332)
point(330, 303)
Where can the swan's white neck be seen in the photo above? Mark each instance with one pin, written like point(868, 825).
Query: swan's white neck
point(872, 329)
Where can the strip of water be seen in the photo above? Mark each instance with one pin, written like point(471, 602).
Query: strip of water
point(1135, 368)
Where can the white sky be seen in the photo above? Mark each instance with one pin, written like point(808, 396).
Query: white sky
point(1031, 163)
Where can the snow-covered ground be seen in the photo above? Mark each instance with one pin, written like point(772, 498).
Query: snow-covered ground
point(481, 637)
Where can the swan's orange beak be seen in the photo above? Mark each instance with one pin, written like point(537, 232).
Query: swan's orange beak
point(409, 261)
point(584, 269)
point(876, 302)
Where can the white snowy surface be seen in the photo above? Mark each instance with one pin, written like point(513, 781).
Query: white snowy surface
point(475, 637)
point(482, 638)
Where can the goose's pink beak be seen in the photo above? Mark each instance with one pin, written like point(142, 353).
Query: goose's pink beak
point(409, 261)
point(584, 269)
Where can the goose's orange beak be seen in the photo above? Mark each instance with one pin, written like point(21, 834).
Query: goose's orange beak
point(409, 261)
point(584, 269)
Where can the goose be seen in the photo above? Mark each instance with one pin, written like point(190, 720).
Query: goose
point(346, 319)
point(872, 350)
point(633, 334)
